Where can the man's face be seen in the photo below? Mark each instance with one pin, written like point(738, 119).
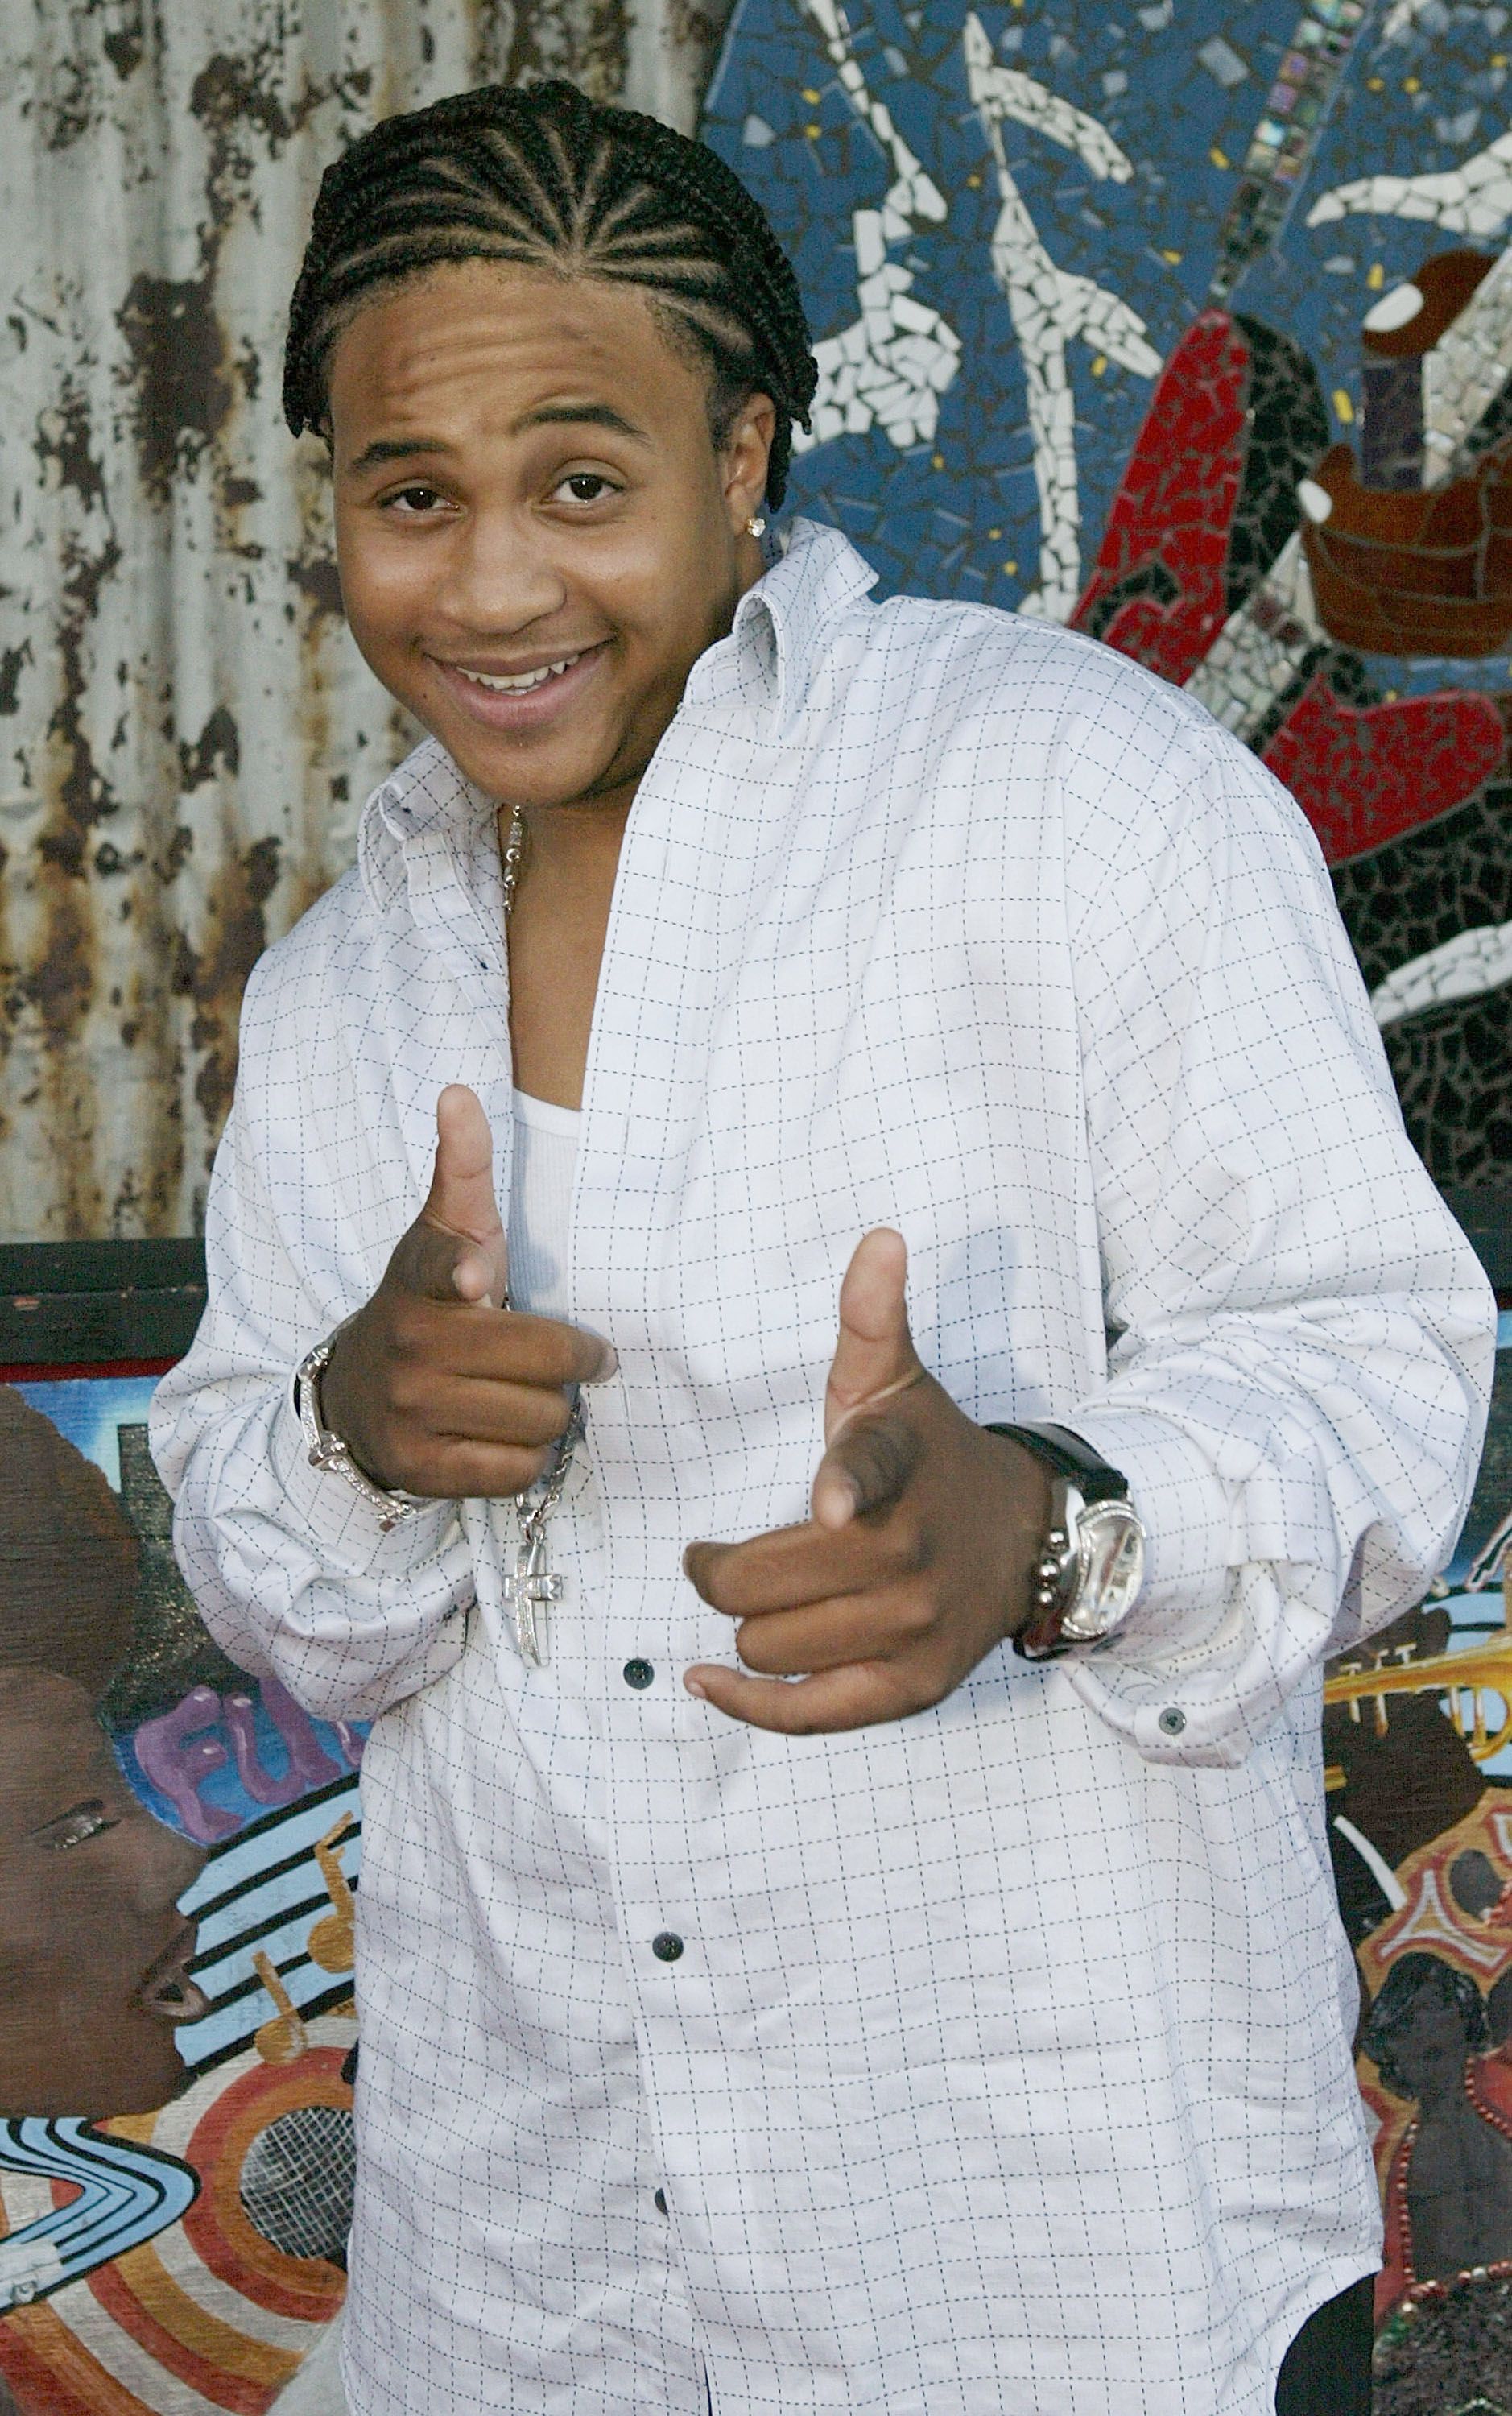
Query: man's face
point(93, 1981)
point(1430, 2053)
point(536, 537)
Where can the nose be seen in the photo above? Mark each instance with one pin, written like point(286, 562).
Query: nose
point(502, 577)
point(155, 1863)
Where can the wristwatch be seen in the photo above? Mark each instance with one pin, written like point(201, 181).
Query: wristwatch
point(1088, 1575)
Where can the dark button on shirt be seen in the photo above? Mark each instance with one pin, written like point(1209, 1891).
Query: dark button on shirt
point(639, 1673)
point(659, 2201)
point(667, 1946)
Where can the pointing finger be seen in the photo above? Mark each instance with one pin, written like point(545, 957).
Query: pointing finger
point(854, 1697)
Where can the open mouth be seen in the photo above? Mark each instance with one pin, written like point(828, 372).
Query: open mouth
point(520, 701)
point(165, 1988)
point(521, 683)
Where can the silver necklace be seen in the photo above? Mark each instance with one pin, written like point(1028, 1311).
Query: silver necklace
point(535, 1584)
point(514, 850)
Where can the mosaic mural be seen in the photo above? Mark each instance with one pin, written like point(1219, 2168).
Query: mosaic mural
point(1191, 324)
point(178, 1851)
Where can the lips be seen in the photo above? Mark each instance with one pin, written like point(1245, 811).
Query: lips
point(165, 1989)
point(525, 700)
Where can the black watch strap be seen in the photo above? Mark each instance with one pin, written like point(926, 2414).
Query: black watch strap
point(1066, 1455)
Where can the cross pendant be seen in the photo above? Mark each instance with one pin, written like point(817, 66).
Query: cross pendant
point(527, 1594)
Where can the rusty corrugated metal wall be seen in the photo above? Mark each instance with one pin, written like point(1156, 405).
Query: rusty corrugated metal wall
point(185, 729)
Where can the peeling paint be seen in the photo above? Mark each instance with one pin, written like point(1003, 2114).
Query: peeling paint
point(177, 368)
point(66, 439)
point(218, 748)
point(13, 661)
point(186, 731)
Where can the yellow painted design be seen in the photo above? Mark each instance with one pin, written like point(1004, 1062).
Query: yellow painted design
point(1099, 364)
point(1343, 406)
point(1219, 157)
point(232, 2353)
point(1376, 277)
point(137, 2127)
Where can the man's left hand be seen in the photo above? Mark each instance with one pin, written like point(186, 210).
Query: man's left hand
point(918, 1553)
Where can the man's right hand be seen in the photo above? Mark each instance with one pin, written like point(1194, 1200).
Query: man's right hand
point(435, 1386)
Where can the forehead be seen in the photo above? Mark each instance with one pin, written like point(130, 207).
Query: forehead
point(49, 1744)
point(486, 340)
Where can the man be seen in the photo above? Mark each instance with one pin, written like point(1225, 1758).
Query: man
point(899, 2021)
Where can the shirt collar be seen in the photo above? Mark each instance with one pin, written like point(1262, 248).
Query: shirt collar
point(775, 644)
point(781, 623)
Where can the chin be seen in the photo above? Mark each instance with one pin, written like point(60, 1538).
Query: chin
point(93, 2090)
point(554, 769)
point(512, 779)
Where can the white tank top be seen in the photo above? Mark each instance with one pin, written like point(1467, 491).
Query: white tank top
point(540, 1204)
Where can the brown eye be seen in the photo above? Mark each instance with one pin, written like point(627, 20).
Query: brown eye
point(587, 486)
point(416, 502)
point(75, 1828)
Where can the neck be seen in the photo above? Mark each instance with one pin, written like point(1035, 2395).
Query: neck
point(574, 843)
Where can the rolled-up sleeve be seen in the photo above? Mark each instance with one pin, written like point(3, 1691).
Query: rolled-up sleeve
point(290, 1567)
point(1302, 1340)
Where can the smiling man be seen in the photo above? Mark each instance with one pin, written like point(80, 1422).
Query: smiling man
point(845, 1917)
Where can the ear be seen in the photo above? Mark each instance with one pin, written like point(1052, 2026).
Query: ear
point(743, 461)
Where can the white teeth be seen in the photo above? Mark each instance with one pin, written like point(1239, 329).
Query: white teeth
point(526, 680)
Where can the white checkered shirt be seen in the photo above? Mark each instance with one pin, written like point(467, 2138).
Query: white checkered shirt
point(1006, 2061)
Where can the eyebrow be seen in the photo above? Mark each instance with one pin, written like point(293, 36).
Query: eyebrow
point(587, 414)
point(550, 415)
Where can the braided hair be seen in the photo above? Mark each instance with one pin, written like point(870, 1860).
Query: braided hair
point(543, 177)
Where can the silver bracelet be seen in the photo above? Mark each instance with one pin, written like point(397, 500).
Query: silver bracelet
point(328, 1452)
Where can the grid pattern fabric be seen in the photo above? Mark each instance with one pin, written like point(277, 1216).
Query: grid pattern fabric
point(1006, 2062)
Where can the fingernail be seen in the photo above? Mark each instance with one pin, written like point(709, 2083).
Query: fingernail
point(696, 1686)
point(608, 1365)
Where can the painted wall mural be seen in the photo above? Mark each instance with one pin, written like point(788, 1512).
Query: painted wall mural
point(1417, 1743)
point(1189, 323)
point(178, 1851)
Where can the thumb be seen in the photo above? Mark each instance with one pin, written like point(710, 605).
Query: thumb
point(875, 1355)
point(461, 1205)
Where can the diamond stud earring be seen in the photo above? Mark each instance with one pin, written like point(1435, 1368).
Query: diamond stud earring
point(755, 525)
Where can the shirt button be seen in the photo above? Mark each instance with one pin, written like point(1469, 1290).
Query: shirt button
point(1171, 1721)
point(659, 2201)
point(667, 1946)
point(639, 1673)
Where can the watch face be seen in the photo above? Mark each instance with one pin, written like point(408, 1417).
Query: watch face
point(1113, 1570)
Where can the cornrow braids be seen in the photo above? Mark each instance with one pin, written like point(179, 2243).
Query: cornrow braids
point(543, 177)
